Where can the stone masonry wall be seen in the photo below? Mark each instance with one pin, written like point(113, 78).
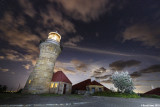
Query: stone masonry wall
point(60, 88)
point(40, 79)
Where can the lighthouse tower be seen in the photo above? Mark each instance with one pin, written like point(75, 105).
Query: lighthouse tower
point(40, 79)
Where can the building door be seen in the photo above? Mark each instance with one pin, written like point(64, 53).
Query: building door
point(64, 89)
point(93, 90)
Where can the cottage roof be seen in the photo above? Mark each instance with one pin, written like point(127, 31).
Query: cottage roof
point(155, 91)
point(59, 76)
point(82, 85)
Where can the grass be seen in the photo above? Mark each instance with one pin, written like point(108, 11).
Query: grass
point(75, 96)
point(151, 96)
point(49, 94)
point(70, 95)
point(116, 94)
point(10, 95)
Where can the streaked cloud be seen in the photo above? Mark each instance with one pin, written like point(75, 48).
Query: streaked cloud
point(4, 69)
point(145, 33)
point(99, 72)
point(107, 81)
point(74, 40)
point(103, 77)
point(97, 51)
point(79, 65)
point(27, 66)
point(27, 7)
point(151, 69)
point(72, 66)
point(120, 64)
point(64, 70)
point(13, 73)
point(1, 57)
point(135, 74)
point(14, 55)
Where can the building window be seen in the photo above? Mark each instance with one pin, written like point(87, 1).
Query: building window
point(56, 85)
point(100, 89)
point(52, 84)
point(93, 90)
point(29, 81)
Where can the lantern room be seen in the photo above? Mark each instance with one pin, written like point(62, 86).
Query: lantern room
point(54, 36)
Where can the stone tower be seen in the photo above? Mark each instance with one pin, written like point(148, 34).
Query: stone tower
point(40, 79)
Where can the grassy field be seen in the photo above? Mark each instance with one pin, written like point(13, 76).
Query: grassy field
point(116, 94)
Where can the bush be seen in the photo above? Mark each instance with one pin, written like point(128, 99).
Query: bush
point(116, 94)
point(123, 82)
point(150, 96)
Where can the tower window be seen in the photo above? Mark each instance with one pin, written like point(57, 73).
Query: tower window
point(29, 81)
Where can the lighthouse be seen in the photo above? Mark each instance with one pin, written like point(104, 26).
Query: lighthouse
point(40, 79)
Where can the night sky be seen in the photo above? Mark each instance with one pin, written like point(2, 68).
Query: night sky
point(99, 37)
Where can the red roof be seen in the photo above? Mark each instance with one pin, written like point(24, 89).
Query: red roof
point(155, 91)
point(82, 85)
point(59, 76)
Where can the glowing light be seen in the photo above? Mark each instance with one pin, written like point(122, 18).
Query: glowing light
point(29, 81)
point(56, 84)
point(52, 84)
point(55, 36)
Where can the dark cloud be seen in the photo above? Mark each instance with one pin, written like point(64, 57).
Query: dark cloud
point(153, 68)
point(71, 66)
point(74, 40)
point(63, 66)
point(79, 65)
point(150, 69)
point(135, 74)
point(120, 65)
point(99, 71)
point(107, 81)
point(103, 77)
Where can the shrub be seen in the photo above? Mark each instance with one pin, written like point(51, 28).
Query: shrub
point(116, 94)
point(123, 82)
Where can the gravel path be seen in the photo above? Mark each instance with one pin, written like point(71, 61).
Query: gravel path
point(85, 101)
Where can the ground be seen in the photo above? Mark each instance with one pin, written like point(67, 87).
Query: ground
point(76, 101)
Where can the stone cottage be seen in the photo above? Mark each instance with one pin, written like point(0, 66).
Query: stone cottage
point(88, 87)
point(60, 84)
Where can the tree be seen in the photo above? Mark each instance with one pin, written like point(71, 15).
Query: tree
point(123, 82)
point(3, 88)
